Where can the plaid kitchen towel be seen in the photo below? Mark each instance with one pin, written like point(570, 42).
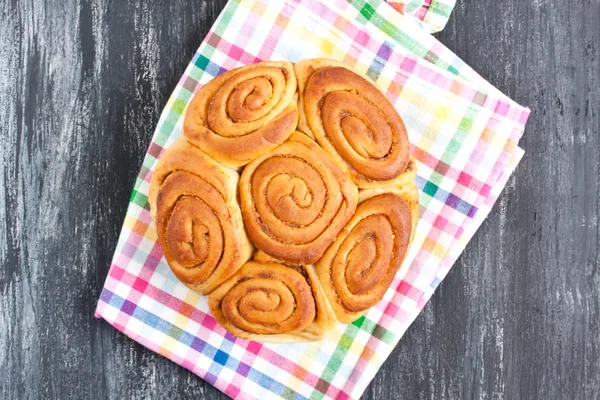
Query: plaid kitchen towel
point(433, 13)
point(464, 135)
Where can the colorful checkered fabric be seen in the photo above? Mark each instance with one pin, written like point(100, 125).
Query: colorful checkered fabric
point(464, 135)
point(433, 14)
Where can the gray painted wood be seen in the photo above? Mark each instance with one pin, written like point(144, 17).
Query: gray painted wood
point(82, 83)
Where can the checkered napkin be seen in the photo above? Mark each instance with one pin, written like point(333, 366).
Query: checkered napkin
point(464, 135)
point(433, 13)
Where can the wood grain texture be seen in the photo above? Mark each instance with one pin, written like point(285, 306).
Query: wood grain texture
point(82, 83)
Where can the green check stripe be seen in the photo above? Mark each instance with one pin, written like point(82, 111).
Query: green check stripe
point(413, 5)
point(374, 329)
point(139, 199)
point(369, 13)
point(440, 8)
point(344, 344)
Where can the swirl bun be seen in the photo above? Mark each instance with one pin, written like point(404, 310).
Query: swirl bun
point(353, 121)
point(264, 299)
point(295, 200)
point(324, 317)
point(358, 268)
point(244, 112)
point(199, 224)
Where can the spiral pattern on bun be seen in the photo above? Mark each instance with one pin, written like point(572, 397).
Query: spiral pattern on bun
point(244, 112)
point(295, 200)
point(199, 224)
point(264, 299)
point(360, 265)
point(324, 316)
point(353, 121)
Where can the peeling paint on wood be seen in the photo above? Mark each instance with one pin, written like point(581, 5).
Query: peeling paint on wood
point(82, 84)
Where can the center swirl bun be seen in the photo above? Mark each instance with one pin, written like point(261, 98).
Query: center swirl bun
point(295, 200)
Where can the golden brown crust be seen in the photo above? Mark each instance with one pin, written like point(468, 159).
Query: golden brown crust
point(327, 251)
point(244, 112)
point(353, 121)
point(325, 318)
point(405, 187)
point(199, 224)
point(295, 200)
point(358, 268)
point(265, 301)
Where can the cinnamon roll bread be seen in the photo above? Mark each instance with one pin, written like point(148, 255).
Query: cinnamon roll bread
point(358, 268)
point(295, 200)
point(244, 112)
point(199, 224)
point(270, 301)
point(289, 200)
point(353, 121)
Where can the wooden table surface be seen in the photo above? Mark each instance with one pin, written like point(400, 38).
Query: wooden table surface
point(82, 85)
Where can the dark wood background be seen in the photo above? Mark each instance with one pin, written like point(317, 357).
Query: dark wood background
point(82, 83)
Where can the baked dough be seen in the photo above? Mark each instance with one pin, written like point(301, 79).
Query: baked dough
point(353, 121)
point(244, 112)
point(290, 199)
point(198, 220)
